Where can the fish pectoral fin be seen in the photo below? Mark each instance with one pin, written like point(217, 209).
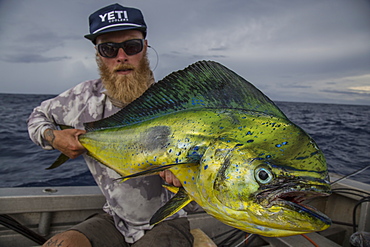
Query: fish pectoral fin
point(150, 171)
point(171, 188)
point(60, 160)
point(180, 200)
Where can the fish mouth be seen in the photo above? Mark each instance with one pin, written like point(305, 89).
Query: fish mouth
point(294, 196)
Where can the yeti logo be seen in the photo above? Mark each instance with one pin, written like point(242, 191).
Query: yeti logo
point(114, 16)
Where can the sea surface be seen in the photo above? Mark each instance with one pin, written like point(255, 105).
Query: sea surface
point(341, 131)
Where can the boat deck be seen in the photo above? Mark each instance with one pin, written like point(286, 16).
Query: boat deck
point(48, 211)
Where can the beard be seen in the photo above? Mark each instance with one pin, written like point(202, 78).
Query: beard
point(125, 88)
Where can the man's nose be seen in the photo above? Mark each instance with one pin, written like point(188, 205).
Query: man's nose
point(121, 55)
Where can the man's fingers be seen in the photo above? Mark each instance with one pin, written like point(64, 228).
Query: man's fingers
point(170, 178)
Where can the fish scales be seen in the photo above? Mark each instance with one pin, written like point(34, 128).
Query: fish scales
point(236, 154)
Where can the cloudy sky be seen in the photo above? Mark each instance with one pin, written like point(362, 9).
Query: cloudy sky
point(306, 51)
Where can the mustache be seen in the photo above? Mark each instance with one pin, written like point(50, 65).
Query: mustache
point(124, 67)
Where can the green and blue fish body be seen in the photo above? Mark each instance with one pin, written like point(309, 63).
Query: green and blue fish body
point(235, 153)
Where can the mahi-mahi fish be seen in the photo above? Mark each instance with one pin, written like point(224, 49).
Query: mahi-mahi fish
point(235, 152)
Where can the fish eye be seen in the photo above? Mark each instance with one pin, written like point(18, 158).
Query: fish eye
point(263, 175)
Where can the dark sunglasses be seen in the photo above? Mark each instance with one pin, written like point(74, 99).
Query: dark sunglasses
point(131, 47)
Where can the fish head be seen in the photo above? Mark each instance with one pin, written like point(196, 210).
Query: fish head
point(267, 190)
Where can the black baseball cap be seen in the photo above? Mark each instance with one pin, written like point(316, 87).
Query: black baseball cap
point(114, 18)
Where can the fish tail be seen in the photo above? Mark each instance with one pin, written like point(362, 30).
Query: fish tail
point(59, 161)
point(62, 157)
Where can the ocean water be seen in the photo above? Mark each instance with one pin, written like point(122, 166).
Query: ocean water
point(341, 131)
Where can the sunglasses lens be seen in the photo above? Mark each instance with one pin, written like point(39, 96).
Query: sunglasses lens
point(108, 50)
point(131, 47)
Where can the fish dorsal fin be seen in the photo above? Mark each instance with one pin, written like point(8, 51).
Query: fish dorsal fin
point(204, 84)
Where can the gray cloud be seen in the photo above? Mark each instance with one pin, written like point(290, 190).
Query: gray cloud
point(299, 86)
point(292, 50)
point(221, 48)
point(31, 58)
point(361, 94)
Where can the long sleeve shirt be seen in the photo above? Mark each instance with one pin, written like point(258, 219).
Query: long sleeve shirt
point(131, 203)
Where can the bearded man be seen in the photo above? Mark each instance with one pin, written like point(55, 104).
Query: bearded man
point(118, 34)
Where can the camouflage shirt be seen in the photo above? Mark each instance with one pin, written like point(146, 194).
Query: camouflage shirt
point(131, 203)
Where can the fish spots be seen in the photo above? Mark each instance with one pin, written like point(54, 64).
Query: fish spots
point(195, 101)
point(314, 153)
point(263, 156)
point(281, 144)
point(205, 167)
point(302, 157)
point(194, 154)
point(307, 156)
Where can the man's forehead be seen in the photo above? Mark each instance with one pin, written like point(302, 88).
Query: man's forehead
point(119, 36)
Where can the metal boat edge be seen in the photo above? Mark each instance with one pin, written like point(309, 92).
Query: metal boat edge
point(50, 210)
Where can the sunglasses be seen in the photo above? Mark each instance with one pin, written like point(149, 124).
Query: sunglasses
point(131, 47)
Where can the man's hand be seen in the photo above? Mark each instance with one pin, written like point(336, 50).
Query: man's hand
point(170, 178)
point(66, 141)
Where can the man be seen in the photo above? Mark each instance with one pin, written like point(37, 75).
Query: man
point(119, 36)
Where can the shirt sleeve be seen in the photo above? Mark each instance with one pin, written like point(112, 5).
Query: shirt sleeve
point(80, 104)
point(40, 120)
